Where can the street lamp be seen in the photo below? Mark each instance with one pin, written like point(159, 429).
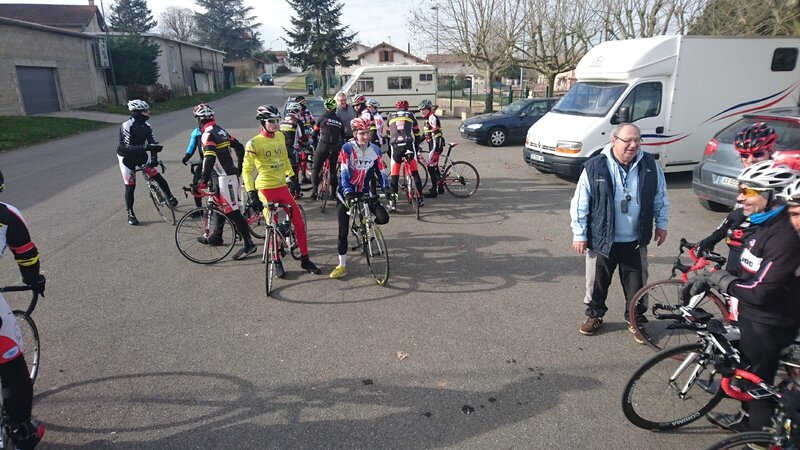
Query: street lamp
point(270, 44)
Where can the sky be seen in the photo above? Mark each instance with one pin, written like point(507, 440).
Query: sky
point(375, 21)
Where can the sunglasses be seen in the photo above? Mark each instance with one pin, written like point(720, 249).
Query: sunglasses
point(750, 192)
point(273, 121)
point(755, 155)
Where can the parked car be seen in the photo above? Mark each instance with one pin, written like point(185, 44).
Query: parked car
point(315, 105)
point(714, 179)
point(265, 79)
point(510, 124)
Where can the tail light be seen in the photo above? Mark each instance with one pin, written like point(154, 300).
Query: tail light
point(711, 147)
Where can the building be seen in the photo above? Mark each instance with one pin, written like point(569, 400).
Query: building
point(450, 65)
point(78, 18)
point(380, 54)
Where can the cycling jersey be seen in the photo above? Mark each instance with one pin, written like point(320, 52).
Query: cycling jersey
point(307, 118)
point(266, 154)
point(292, 129)
point(358, 166)
point(134, 135)
point(329, 130)
point(735, 229)
point(195, 143)
point(432, 129)
point(403, 128)
point(217, 155)
point(373, 125)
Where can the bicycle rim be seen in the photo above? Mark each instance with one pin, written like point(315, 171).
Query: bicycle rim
point(377, 255)
point(665, 292)
point(652, 398)
point(461, 179)
point(272, 257)
point(423, 173)
point(415, 202)
point(162, 204)
point(30, 342)
point(743, 441)
point(255, 222)
point(323, 191)
point(199, 223)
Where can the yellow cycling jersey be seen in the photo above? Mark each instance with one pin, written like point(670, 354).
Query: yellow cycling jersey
point(268, 156)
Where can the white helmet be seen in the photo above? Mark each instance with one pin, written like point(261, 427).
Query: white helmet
point(203, 111)
point(768, 175)
point(373, 102)
point(791, 194)
point(293, 107)
point(138, 105)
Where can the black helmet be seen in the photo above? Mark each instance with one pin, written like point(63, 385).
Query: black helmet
point(425, 104)
point(266, 112)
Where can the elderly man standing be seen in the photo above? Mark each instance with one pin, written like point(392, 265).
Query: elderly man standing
point(621, 193)
point(346, 113)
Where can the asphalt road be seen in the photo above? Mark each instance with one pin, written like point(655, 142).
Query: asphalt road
point(144, 349)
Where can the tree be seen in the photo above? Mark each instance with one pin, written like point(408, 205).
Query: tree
point(134, 59)
point(131, 16)
point(318, 40)
point(178, 23)
point(227, 25)
point(735, 18)
point(631, 19)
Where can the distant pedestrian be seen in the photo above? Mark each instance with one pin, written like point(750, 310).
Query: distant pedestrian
point(346, 113)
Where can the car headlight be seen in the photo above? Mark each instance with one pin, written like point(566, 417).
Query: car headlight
point(569, 147)
point(474, 126)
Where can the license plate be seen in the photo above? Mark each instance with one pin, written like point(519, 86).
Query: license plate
point(727, 181)
point(536, 157)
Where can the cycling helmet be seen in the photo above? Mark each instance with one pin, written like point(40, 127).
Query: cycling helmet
point(374, 103)
point(758, 137)
point(203, 111)
point(138, 105)
point(791, 193)
point(301, 100)
point(360, 100)
point(359, 124)
point(293, 108)
point(425, 104)
point(401, 105)
point(329, 104)
point(265, 112)
point(768, 175)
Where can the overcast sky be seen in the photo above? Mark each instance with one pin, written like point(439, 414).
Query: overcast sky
point(374, 20)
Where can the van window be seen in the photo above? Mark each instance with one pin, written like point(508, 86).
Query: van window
point(784, 59)
point(644, 101)
point(366, 85)
point(394, 83)
point(426, 77)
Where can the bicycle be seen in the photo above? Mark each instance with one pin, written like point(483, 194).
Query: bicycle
point(306, 161)
point(409, 187)
point(29, 333)
point(199, 223)
point(324, 188)
point(664, 295)
point(368, 237)
point(459, 178)
point(163, 205)
point(278, 236)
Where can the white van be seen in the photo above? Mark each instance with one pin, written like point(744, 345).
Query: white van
point(392, 82)
point(679, 90)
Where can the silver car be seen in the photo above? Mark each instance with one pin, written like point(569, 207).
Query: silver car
point(714, 180)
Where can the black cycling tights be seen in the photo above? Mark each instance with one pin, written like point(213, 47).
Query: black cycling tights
point(129, 189)
point(17, 390)
point(329, 152)
point(239, 223)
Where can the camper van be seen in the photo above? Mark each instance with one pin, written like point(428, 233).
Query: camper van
point(679, 90)
point(393, 82)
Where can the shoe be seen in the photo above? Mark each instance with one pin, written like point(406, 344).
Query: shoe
point(431, 194)
point(132, 218)
point(28, 435)
point(590, 325)
point(440, 189)
point(393, 205)
point(306, 264)
point(338, 272)
point(732, 422)
point(279, 272)
point(420, 202)
point(305, 180)
point(246, 251)
point(173, 201)
point(640, 335)
point(313, 196)
point(214, 242)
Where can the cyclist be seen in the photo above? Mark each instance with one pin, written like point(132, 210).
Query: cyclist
point(359, 105)
point(754, 144)
point(432, 130)
point(194, 146)
point(135, 140)
point(266, 153)
point(376, 121)
point(403, 135)
point(218, 158)
point(329, 135)
point(292, 129)
point(14, 376)
point(346, 113)
point(359, 162)
point(308, 121)
point(766, 286)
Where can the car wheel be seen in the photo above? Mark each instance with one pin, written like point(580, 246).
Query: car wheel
point(714, 206)
point(497, 137)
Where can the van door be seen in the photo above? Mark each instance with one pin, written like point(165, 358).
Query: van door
point(645, 103)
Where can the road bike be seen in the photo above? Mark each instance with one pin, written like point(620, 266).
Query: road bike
point(279, 236)
point(664, 295)
point(160, 200)
point(408, 186)
point(305, 163)
point(324, 188)
point(368, 237)
point(459, 178)
point(29, 333)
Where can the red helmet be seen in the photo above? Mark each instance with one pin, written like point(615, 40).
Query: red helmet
point(756, 138)
point(401, 105)
point(359, 124)
point(360, 100)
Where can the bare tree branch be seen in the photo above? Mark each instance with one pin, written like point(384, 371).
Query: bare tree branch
point(177, 23)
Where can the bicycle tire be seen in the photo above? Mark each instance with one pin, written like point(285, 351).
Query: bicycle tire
point(653, 379)
point(322, 191)
point(255, 222)
point(743, 441)
point(657, 336)
point(423, 173)
point(162, 204)
point(271, 253)
point(195, 224)
point(461, 179)
point(30, 344)
point(377, 255)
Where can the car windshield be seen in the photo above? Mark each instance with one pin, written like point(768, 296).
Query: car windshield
point(788, 132)
point(514, 108)
point(590, 99)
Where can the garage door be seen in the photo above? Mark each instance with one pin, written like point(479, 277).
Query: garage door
point(38, 86)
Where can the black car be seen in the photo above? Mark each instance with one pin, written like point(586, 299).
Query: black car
point(510, 124)
point(265, 79)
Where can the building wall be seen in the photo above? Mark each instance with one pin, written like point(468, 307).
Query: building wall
point(79, 82)
point(177, 61)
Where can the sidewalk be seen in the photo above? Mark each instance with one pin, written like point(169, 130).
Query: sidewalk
point(90, 115)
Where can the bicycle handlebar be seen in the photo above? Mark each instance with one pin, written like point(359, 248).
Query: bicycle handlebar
point(737, 394)
point(34, 299)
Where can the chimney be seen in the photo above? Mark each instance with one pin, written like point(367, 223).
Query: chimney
point(91, 2)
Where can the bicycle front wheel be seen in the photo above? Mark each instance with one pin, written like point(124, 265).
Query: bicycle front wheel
point(377, 254)
point(655, 333)
point(163, 206)
point(195, 240)
point(423, 174)
point(255, 222)
point(30, 342)
point(322, 193)
point(758, 439)
point(663, 394)
point(461, 179)
point(272, 246)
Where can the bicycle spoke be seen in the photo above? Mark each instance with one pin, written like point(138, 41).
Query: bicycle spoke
point(199, 223)
point(377, 254)
point(29, 342)
point(461, 179)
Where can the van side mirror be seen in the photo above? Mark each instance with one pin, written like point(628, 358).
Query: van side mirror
point(623, 115)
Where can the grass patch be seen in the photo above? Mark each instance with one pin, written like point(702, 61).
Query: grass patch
point(298, 84)
point(20, 131)
point(172, 104)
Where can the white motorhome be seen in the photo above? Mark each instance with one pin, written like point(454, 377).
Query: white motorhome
point(679, 90)
point(392, 82)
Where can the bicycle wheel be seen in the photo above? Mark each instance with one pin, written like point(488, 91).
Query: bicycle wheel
point(322, 192)
point(200, 223)
point(665, 292)
point(423, 174)
point(271, 246)
point(653, 397)
point(743, 441)
point(30, 342)
point(255, 222)
point(377, 254)
point(461, 179)
point(163, 206)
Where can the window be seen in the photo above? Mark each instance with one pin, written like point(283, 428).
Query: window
point(173, 60)
point(366, 85)
point(395, 83)
point(426, 77)
point(784, 59)
point(385, 56)
point(644, 101)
